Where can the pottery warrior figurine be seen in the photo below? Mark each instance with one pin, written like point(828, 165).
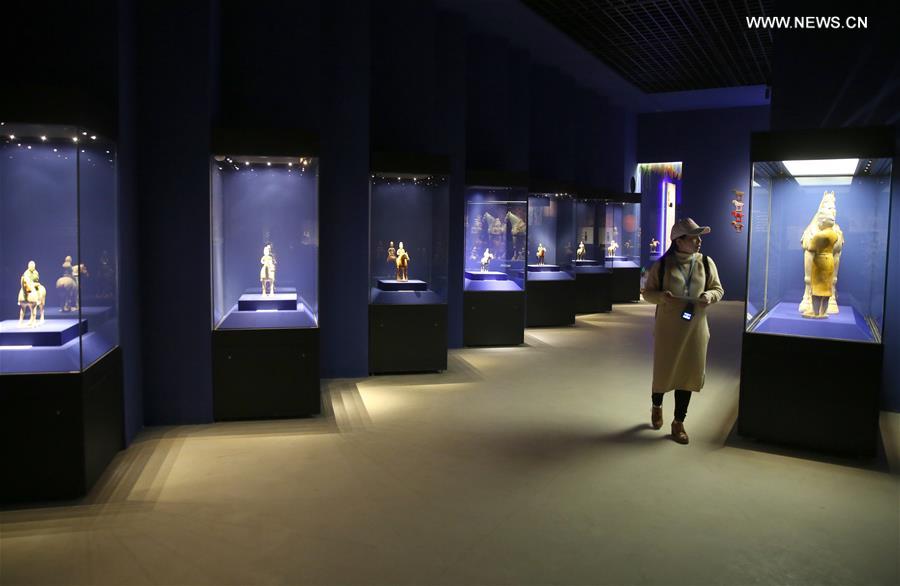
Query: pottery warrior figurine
point(68, 283)
point(654, 245)
point(612, 247)
point(827, 211)
point(32, 295)
point(402, 264)
point(486, 259)
point(541, 251)
point(267, 272)
point(579, 254)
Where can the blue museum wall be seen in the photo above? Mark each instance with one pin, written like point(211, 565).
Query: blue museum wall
point(497, 107)
point(849, 78)
point(270, 64)
point(555, 140)
point(404, 77)
point(173, 123)
point(129, 245)
point(344, 187)
point(714, 146)
point(450, 137)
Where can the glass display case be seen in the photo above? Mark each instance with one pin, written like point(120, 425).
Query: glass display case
point(60, 361)
point(622, 235)
point(819, 222)
point(408, 260)
point(818, 248)
point(496, 238)
point(265, 270)
point(550, 285)
point(593, 281)
point(495, 251)
point(58, 249)
point(622, 245)
point(408, 268)
point(265, 242)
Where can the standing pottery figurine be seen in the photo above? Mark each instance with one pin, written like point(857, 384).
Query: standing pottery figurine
point(541, 251)
point(822, 245)
point(654, 245)
point(827, 210)
point(267, 272)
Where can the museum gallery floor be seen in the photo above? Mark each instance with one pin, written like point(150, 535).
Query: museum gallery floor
point(526, 465)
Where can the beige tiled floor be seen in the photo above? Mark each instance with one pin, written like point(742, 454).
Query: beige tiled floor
point(530, 465)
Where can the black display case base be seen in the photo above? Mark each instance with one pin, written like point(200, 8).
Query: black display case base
point(493, 318)
point(407, 338)
point(60, 430)
point(265, 374)
point(811, 393)
point(626, 285)
point(549, 303)
point(593, 292)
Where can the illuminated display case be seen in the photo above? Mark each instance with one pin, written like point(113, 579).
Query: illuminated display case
point(816, 275)
point(60, 361)
point(496, 237)
point(550, 284)
point(409, 196)
point(265, 268)
point(662, 181)
point(585, 252)
point(622, 245)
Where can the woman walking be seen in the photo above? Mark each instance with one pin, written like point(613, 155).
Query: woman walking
point(682, 284)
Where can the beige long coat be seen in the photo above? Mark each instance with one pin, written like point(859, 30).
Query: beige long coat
point(679, 346)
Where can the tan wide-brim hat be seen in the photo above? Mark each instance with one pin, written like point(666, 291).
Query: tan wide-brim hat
point(687, 226)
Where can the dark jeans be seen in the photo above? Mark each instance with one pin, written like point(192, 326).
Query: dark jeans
point(682, 399)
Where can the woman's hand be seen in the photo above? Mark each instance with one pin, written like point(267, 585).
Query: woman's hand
point(668, 297)
point(704, 300)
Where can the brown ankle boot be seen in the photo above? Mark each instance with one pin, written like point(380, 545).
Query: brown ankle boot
point(678, 433)
point(656, 418)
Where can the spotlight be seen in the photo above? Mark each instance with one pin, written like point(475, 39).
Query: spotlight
point(290, 164)
point(93, 137)
point(74, 139)
point(269, 164)
point(246, 163)
point(84, 134)
point(43, 138)
point(12, 137)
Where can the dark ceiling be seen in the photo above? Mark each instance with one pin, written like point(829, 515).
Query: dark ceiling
point(670, 45)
